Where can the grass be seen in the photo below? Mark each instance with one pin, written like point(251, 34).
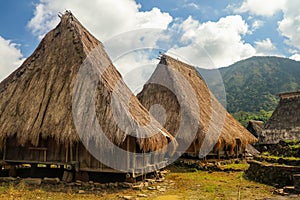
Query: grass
point(267, 155)
point(233, 166)
point(178, 185)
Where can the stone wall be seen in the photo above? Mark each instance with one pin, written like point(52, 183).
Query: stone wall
point(283, 148)
point(272, 174)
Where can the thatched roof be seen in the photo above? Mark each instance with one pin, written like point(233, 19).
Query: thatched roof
point(284, 123)
point(214, 123)
point(36, 99)
point(255, 127)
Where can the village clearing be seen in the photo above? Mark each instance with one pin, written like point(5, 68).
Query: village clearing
point(180, 183)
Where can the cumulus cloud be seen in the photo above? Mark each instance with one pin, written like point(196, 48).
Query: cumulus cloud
point(10, 57)
point(192, 5)
point(256, 25)
point(289, 26)
point(104, 18)
point(266, 47)
point(295, 57)
point(258, 7)
point(120, 25)
point(214, 44)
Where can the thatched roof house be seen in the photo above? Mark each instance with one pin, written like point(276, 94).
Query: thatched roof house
point(37, 106)
point(284, 123)
point(255, 127)
point(188, 102)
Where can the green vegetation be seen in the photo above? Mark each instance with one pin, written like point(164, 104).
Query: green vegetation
point(245, 117)
point(234, 166)
point(252, 85)
point(179, 185)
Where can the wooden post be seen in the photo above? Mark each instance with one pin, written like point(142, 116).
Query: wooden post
point(71, 152)
point(67, 153)
point(4, 150)
point(77, 151)
point(45, 155)
point(128, 152)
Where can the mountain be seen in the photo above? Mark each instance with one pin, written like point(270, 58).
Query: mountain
point(252, 85)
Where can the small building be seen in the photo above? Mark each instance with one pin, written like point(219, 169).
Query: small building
point(255, 127)
point(38, 110)
point(193, 115)
point(284, 123)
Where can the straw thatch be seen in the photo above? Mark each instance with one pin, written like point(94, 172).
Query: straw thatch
point(215, 126)
point(255, 127)
point(36, 99)
point(284, 123)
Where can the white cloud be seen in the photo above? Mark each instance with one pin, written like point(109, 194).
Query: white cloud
point(120, 25)
point(295, 57)
point(218, 42)
point(10, 57)
point(266, 47)
point(192, 5)
point(136, 68)
point(104, 18)
point(258, 7)
point(256, 25)
point(290, 24)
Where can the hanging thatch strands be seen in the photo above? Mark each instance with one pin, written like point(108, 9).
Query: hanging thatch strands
point(36, 103)
point(284, 123)
point(215, 125)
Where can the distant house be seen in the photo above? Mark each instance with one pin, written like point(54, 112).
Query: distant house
point(255, 127)
point(284, 123)
point(216, 131)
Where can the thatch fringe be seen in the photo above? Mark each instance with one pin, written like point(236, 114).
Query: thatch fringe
point(215, 125)
point(36, 99)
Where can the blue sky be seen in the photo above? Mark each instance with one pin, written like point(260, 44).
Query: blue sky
point(226, 31)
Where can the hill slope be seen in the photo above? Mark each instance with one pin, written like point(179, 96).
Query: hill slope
point(251, 85)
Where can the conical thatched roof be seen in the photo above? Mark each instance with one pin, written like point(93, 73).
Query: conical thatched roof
point(174, 81)
point(255, 127)
point(284, 123)
point(36, 100)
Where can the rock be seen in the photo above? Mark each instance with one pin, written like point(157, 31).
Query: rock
point(150, 180)
point(116, 184)
point(280, 192)
point(146, 184)
point(78, 183)
point(97, 184)
point(51, 180)
point(81, 192)
point(67, 177)
point(7, 179)
point(70, 184)
point(160, 180)
point(151, 188)
point(111, 185)
point(126, 185)
point(127, 197)
point(162, 189)
point(142, 195)
point(138, 187)
point(288, 189)
point(32, 181)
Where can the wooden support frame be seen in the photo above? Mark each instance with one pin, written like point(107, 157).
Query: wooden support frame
point(44, 149)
